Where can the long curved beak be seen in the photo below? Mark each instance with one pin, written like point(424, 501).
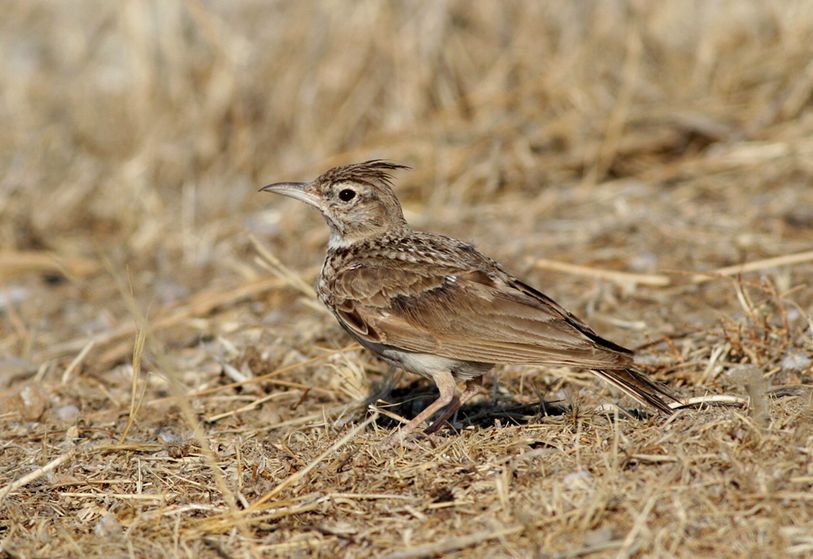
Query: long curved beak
point(294, 190)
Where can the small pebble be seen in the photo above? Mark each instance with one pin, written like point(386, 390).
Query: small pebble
point(795, 361)
point(598, 537)
point(34, 400)
point(68, 413)
point(168, 437)
point(578, 480)
point(108, 526)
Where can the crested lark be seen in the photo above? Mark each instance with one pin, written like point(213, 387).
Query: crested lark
point(435, 306)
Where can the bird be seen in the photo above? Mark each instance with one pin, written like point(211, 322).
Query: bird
point(437, 307)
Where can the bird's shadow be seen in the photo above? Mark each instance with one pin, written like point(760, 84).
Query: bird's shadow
point(408, 401)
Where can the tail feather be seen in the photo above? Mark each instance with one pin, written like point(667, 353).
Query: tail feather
point(637, 385)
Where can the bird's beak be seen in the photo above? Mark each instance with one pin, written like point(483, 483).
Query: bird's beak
point(294, 190)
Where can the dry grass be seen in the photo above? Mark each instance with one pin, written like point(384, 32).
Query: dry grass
point(167, 388)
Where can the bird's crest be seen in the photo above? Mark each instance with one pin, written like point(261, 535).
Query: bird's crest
point(374, 171)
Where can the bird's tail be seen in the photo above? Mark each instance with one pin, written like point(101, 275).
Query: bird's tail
point(636, 384)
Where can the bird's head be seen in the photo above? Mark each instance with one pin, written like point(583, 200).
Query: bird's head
point(356, 200)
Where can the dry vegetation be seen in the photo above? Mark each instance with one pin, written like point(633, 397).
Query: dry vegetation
point(168, 386)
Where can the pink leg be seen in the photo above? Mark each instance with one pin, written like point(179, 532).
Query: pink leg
point(471, 390)
point(446, 385)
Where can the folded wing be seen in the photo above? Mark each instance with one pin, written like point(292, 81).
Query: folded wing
point(467, 314)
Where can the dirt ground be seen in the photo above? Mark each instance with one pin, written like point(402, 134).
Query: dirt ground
point(169, 386)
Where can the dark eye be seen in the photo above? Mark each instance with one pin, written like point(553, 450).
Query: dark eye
point(347, 194)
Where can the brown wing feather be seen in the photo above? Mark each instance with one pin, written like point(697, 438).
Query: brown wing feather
point(469, 315)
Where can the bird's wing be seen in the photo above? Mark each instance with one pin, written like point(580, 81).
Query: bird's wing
point(466, 314)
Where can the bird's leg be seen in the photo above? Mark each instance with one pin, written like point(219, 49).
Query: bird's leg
point(471, 390)
point(446, 386)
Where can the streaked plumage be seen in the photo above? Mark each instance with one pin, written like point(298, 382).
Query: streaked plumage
point(434, 305)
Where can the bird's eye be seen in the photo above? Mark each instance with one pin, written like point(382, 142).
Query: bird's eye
point(347, 194)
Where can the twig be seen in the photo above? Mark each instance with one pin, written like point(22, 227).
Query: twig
point(254, 404)
point(663, 280)
point(39, 472)
point(130, 496)
point(774, 262)
point(66, 375)
point(453, 544)
point(655, 280)
point(387, 413)
point(16, 262)
point(290, 480)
